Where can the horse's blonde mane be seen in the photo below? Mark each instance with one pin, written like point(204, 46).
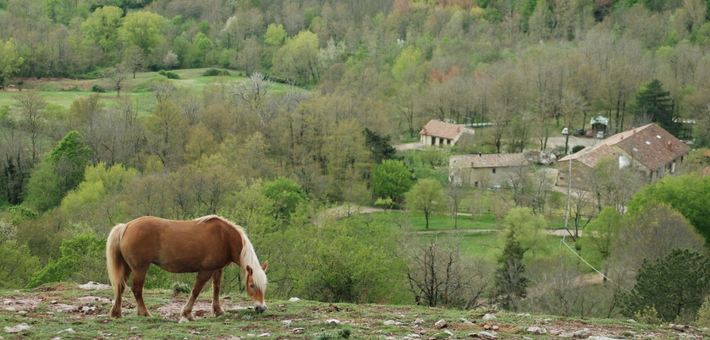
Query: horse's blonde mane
point(247, 257)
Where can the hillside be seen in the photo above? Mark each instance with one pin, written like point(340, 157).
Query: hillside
point(68, 312)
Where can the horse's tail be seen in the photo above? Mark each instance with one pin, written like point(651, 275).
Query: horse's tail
point(115, 263)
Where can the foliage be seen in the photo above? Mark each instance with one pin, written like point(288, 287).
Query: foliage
point(169, 74)
point(510, 282)
point(427, 196)
point(577, 148)
point(379, 146)
point(674, 286)
point(285, 195)
point(215, 72)
point(102, 26)
point(44, 188)
point(275, 35)
point(600, 234)
point(181, 288)
point(10, 60)
point(16, 263)
point(527, 228)
point(97, 88)
point(687, 194)
point(142, 29)
point(391, 179)
point(703, 317)
point(83, 259)
point(653, 101)
point(297, 59)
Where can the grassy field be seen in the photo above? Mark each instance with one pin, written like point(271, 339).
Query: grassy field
point(65, 311)
point(63, 92)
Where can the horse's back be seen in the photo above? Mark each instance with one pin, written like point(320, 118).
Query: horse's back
point(176, 246)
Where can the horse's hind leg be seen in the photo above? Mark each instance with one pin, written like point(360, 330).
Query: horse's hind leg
point(216, 286)
point(202, 278)
point(118, 301)
point(137, 288)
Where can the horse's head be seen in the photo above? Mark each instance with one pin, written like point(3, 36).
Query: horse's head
point(256, 286)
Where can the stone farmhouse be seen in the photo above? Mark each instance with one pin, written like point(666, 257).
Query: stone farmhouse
point(441, 133)
point(486, 170)
point(649, 149)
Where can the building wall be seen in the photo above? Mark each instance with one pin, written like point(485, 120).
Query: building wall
point(485, 177)
point(431, 140)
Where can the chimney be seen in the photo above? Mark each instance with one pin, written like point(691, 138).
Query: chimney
point(670, 146)
point(622, 137)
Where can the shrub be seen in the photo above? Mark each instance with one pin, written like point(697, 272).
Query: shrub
point(216, 72)
point(83, 259)
point(703, 317)
point(577, 148)
point(181, 287)
point(97, 88)
point(169, 74)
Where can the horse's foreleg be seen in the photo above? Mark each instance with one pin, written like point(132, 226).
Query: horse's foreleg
point(202, 277)
point(216, 287)
point(137, 288)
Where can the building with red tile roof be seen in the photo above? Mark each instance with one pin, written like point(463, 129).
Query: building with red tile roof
point(649, 149)
point(441, 133)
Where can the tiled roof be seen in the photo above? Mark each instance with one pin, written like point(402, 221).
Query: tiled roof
point(650, 145)
point(500, 160)
point(705, 172)
point(441, 129)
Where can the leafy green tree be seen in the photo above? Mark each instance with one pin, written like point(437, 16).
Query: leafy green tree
point(275, 35)
point(83, 259)
point(102, 27)
point(286, 196)
point(426, 196)
point(17, 262)
point(674, 286)
point(10, 60)
point(529, 230)
point(391, 179)
point(69, 159)
point(143, 29)
point(379, 146)
point(404, 69)
point(653, 101)
point(688, 194)
point(509, 280)
point(43, 190)
point(297, 59)
point(59, 11)
point(601, 233)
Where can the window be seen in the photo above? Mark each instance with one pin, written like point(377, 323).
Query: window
point(475, 184)
point(494, 170)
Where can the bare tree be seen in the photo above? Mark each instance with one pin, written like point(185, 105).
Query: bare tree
point(455, 192)
point(31, 107)
point(117, 75)
point(440, 276)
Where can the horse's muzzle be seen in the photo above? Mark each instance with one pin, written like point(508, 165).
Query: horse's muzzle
point(260, 309)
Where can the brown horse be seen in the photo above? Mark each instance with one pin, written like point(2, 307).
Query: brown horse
point(205, 245)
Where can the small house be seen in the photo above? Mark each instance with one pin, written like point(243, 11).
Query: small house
point(486, 170)
point(442, 133)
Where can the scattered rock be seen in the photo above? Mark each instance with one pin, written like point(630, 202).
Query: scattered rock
point(183, 320)
point(482, 335)
point(450, 333)
point(68, 330)
point(22, 312)
point(537, 330)
point(10, 309)
point(332, 321)
point(392, 322)
point(413, 336)
point(94, 285)
point(488, 317)
point(298, 330)
point(293, 299)
point(418, 322)
point(234, 338)
point(601, 338)
point(631, 320)
point(581, 334)
point(466, 321)
point(494, 327)
point(286, 322)
point(440, 324)
point(17, 329)
point(54, 302)
point(263, 335)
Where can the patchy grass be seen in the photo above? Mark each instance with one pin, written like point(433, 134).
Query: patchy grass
point(84, 317)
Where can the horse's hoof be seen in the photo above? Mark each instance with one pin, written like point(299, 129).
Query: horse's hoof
point(183, 320)
point(218, 312)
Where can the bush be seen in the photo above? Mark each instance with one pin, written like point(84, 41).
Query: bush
point(83, 259)
point(97, 88)
point(169, 74)
point(577, 148)
point(181, 287)
point(216, 72)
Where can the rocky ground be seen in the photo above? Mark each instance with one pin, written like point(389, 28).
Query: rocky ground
point(65, 311)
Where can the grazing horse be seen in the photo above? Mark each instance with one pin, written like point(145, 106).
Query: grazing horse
point(205, 245)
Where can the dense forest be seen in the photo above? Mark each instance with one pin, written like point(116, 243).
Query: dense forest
point(359, 76)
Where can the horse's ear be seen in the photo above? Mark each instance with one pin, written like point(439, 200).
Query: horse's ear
point(249, 270)
point(266, 264)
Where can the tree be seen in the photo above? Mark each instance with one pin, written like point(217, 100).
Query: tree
point(134, 59)
point(102, 27)
point(510, 282)
point(10, 60)
point(391, 179)
point(167, 133)
point(602, 232)
point(528, 229)
point(275, 35)
point(143, 29)
point(456, 193)
point(426, 196)
point(69, 159)
point(117, 75)
point(653, 101)
point(297, 60)
point(286, 195)
point(33, 119)
point(687, 194)
point(379, 146)
point(674, 286)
